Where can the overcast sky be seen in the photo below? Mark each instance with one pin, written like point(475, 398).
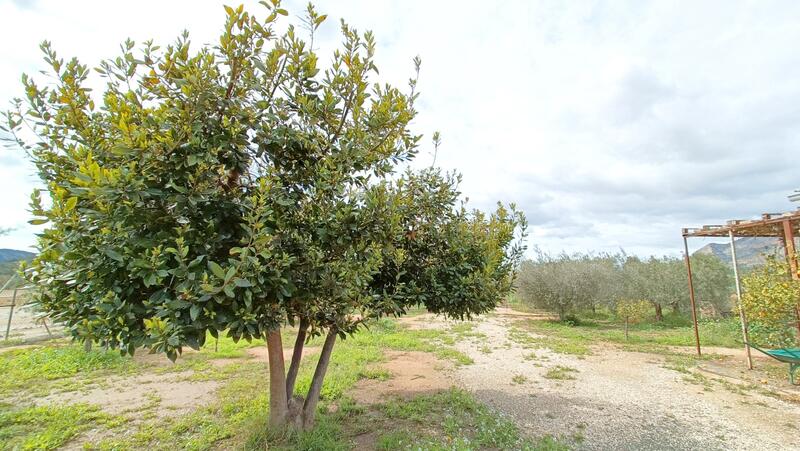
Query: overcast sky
point(610, 123)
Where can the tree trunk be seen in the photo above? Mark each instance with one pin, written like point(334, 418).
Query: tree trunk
point(297, 356)
point(278, 402)
point(626, 329)
point(310, 406)
point(659, 313)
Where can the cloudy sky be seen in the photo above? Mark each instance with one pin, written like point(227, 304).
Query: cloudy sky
point(610, 123)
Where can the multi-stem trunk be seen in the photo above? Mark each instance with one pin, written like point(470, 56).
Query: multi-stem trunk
point(286, 410)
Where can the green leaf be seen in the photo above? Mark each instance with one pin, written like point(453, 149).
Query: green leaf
point(38, 221)
point(242, 283)
point(71, 203)
point(228, 289)
point(194, 311)
point(231, 272)
point(216, 269)
point(114, 254)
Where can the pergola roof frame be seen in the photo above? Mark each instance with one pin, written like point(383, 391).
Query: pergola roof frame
point(781, 225)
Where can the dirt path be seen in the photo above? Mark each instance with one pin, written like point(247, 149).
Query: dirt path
point(618, 399)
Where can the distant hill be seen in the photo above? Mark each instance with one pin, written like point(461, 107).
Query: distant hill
point(9, 264)
point(750, 251)
point(12, 255)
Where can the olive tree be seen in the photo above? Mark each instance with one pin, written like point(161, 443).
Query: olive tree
point(242, 187)
point(563, 284)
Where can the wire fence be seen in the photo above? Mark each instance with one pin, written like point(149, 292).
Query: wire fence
point(21, 322)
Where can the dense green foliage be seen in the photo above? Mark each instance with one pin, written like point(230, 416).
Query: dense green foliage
point(770, 300)
point(566, 284)
point(239, 187)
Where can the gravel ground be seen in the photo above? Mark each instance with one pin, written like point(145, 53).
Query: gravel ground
point(618, 400)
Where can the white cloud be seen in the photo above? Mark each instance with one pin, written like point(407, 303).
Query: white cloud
point(611, 123)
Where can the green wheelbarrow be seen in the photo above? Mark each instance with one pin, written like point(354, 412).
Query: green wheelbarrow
point(785, 355)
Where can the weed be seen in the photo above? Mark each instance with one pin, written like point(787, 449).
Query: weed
point(560, 372)
point(519, 379)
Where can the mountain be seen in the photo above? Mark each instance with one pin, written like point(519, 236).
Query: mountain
point(12, 255)
point(750, 251)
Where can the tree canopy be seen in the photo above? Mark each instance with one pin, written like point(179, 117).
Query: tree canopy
point(241, 187)
point(570, 283)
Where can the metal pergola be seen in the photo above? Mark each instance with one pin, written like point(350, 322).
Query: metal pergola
point(784, 226)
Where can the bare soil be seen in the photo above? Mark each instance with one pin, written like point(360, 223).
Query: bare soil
point(127, 395)
point(413, 373)
point(619, 400)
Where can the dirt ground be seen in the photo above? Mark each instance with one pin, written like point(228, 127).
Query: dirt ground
point(611, 399)
point(412, 373)
point(24, 325)
point(617, 399)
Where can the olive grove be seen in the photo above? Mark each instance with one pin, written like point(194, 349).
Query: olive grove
point(567, 284)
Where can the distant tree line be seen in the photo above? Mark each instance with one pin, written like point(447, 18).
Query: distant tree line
point(570, 283)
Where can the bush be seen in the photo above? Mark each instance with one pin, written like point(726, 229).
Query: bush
point(770, 303)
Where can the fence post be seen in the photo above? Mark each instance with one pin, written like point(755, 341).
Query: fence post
point(11, 313)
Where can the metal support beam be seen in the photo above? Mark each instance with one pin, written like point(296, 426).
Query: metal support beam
point(742, 317)
point(691, 295)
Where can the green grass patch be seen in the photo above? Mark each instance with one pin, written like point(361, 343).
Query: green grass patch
point(575, 339)
point(453, 420)
point(49, 427)
point(226, 348)
point(235, 420)
point(32, 368)
point(562, 344)
point(388, 334)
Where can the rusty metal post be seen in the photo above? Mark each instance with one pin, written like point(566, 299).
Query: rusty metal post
point(742, 317)
point(791, 257)
point(691, 295)
point(11, 312)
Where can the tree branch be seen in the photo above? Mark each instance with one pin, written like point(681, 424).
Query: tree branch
point(310, 406)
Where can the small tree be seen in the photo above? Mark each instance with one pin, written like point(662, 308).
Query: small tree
point(632, 312)
point(770, 299)
point(239, 188)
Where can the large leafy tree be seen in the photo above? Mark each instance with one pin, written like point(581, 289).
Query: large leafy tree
point(241, 187)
